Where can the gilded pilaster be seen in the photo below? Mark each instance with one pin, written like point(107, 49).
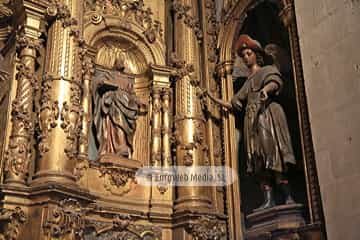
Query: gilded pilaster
point(61, 109)
point(156, 128)
point(189, 119)
point(19, 151)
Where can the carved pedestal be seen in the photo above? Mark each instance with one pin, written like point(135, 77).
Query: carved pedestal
point(280, 222)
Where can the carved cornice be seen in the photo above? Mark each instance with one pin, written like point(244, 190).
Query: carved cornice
point(181, 12)
point(10, 223)
point(128, 11)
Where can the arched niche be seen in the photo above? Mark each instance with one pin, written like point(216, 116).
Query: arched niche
point(260, 19)
point(107, 37)
point(108, 49)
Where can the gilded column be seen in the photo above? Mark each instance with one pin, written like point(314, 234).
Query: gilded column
point(19, 150)
point(88, 70)
point(156, 128)
point(166, 128)
point(189, 119)
point(162, 193)
point(60, 111)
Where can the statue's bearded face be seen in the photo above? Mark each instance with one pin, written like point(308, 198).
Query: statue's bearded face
point(249, 57)
point(119, 64)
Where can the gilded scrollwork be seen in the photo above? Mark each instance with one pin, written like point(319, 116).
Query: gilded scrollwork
point(65, 219)
point(207, 228)
point(10, 223)
point(211, 31)
point(48, 116)
point(128, 11)
point(182, 12)
point(118, 176)
point(70, 116)
point(123, 227)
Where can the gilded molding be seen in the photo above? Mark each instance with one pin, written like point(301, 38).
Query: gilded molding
point(11, 220)
point(182, 13)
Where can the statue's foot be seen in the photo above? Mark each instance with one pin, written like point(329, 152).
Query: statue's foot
point(265, 205)
point(269, 200)
point(287, 194)
point(289, 200)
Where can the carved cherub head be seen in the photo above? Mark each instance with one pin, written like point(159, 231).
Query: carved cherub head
point(119, 65)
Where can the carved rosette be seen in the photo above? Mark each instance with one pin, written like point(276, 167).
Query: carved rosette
point(128, 11)
point(10, 222)
point(19, 152)
point(207, 228)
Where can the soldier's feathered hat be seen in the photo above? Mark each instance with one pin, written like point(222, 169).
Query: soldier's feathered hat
point(245, 41)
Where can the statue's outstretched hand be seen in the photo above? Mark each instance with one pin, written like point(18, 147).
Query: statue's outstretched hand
point(236, 103)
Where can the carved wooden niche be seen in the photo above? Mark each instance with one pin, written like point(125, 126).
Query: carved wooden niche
point(109, 51)
point(263, 22)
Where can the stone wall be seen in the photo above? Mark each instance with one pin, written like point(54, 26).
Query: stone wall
point(329, 32)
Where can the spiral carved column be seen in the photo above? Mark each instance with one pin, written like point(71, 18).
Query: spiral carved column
point(19, 153)
point(60, 113)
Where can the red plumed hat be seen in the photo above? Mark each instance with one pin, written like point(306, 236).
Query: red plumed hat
point(245, 41)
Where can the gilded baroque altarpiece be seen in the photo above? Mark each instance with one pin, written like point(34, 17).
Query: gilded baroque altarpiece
point(50, 50)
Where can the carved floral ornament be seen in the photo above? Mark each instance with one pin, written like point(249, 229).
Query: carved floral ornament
point(10, 223)
point(69, 218)
point(182, 13)
point(207, 228)
point(128, 11)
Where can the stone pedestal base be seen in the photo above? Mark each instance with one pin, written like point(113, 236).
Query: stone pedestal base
point(280, 222)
